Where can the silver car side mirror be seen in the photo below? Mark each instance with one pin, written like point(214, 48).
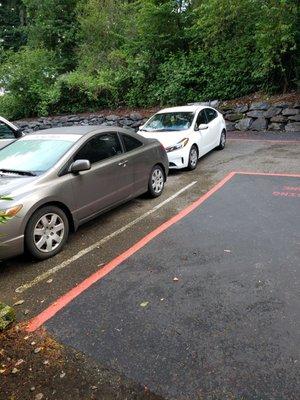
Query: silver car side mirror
point(79, 166)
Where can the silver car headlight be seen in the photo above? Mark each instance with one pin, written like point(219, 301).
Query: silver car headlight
point(178, 145)
point(11, 212)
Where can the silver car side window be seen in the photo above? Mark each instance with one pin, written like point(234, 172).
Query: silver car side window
point(100, 148)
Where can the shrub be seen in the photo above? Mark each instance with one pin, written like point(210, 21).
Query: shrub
point(28, 76)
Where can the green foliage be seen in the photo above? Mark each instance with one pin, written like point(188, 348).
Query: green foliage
point(28, 76)
point(12, 20)
point(52, 25)
point(87, 54)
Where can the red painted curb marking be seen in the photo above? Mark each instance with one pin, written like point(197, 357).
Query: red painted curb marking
point(267, 174)
point(265, 140)
point(60, 303)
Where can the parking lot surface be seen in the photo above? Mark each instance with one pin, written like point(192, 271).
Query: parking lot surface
point(269, 289)
point(209, 302)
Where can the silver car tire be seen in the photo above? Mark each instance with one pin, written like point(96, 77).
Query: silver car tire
point(46, 232)
point(156, 182)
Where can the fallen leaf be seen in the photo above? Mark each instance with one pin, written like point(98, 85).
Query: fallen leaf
point(144, 303)
point(14, 370)
point(19, 362)
point(37, 350)
point(18, 303)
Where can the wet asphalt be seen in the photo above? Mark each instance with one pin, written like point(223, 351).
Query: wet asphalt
point(228, 325)
point(239, 155)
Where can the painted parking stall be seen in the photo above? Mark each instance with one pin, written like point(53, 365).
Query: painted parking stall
point(205, 305)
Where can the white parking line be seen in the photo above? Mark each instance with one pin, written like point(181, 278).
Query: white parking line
point(87, 250)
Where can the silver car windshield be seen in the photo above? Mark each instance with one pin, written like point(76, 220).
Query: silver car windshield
point(169, 122)
point(35, 154)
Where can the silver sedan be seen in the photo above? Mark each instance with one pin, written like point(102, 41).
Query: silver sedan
point(60, 178)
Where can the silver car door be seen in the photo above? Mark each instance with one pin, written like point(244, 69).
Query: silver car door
point(110, 179)
point(140, 160)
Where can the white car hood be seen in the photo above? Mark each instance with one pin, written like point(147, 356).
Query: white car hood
point(166, 138)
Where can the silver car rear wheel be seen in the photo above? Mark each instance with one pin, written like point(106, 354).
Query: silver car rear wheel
point(49, 232)
point(156, 181)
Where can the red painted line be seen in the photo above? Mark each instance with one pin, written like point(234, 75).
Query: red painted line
point(265, 140)
point(60, 303)
point(266, 174)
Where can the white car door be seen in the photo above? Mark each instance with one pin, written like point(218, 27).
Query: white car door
point(214, 128)
point(203, 134)
point(7, 134)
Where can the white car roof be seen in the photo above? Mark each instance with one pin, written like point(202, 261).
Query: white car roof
point(191, 108)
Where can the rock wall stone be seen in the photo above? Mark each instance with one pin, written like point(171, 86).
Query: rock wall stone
point(257, 116)
point(262, 116)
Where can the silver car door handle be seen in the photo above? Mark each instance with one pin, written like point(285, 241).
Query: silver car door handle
point(123, 163)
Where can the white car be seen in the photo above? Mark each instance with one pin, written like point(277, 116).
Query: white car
point(187, 133)
point(8, 132)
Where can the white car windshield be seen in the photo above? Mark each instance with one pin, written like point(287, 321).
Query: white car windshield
point(169, 122)
point(35, 154)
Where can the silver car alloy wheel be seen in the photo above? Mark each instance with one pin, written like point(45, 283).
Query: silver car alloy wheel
point(157, 180)
point(193, 157)
point(48, 232)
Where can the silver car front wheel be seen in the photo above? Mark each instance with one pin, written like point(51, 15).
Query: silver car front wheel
point(49, 232)
point(46, 232)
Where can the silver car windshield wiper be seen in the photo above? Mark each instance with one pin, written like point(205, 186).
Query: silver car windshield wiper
point(13, 171)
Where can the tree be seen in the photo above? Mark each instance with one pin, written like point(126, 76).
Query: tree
point(52, 24)
point(12, 22)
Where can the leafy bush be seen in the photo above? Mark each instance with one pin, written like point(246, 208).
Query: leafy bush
point(77, 91)
point(28, 76)
point(83, 55)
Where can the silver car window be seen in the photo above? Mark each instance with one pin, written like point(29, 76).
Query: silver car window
point(99, 148)
point(35, 155)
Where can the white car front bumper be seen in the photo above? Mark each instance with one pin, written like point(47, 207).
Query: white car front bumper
point(178, 158)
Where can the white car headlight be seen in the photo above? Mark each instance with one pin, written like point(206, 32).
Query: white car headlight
point(178, 145)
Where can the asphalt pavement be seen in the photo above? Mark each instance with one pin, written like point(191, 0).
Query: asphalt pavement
point(41, 283)
point(207, 307)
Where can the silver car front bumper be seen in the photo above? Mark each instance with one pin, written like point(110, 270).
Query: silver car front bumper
point(11, 238)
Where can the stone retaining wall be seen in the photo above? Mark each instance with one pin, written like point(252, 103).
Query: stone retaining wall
point(259, 116)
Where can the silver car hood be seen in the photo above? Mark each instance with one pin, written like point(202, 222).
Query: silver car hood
point(10, 185)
